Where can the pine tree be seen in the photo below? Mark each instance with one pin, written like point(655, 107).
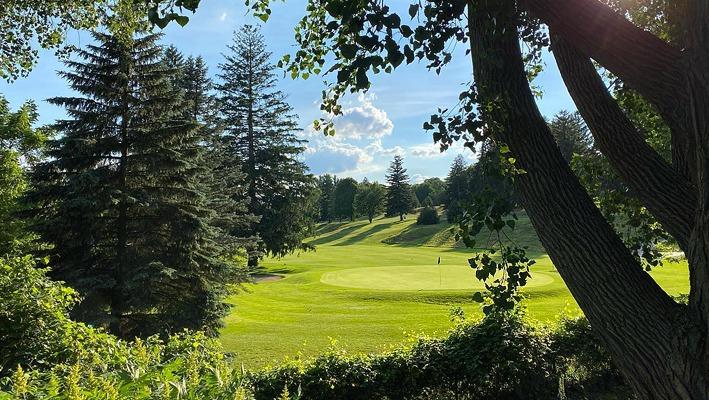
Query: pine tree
point(260, 133)
point(457, 192)
point(399, 191)
point(225, 183)
point(122, 199)
point(571, 134)
point(326, 184)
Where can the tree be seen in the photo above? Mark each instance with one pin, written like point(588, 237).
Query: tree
point(399, 193)
point(260, 133)
point(326, 184)
point(224, 182)
point(122, 198)
point(370, 199)
point(457, 191)
point(658, 344)
point(571, 134)
point(20, 143)
point(343, 199)
point(431, 189)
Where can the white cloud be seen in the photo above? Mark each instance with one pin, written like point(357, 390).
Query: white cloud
point(363, 121)
point(356, 149)
point(426, 150)
point(223, 17)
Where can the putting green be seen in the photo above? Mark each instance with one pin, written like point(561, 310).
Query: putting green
point(415, 277)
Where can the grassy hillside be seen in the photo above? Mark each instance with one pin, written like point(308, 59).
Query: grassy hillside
point(368, 286)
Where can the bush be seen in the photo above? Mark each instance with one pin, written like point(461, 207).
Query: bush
point(499, 357)
point(44, 354)
point(428, 216)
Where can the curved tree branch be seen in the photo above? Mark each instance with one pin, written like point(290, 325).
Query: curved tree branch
point(668, 195)
point(632, 313)
point(646, 63)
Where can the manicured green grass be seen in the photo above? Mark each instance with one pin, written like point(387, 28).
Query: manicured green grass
point(369, 286)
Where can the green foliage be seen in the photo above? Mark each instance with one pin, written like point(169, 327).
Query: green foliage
point(343, 199)
point(20, 142)
point(260, 135)
point(428, 216)
point(47, 355)
point(326, 185)
point(370, 199)
point(122, 197)
point(571, 134)
point(501, 356)
point(399, 194)
point(430, 191)
point(457, 190)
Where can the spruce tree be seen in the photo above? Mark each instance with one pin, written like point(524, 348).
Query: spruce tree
point(399, 193)
point(225, 182)
point(457, 192)
point(326, 184)
point(260, 133)
point(123, 201)
point(571, 134)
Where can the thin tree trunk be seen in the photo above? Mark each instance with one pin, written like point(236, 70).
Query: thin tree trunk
point(117, 294)
point(638, 322)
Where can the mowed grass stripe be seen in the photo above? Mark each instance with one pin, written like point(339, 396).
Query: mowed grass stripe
point(387, 289)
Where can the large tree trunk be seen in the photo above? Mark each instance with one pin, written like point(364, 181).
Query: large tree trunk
point(668, 195)
point(647, 64)
point(645, 331)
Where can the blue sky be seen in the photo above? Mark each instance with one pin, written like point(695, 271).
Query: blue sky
point(384, 122)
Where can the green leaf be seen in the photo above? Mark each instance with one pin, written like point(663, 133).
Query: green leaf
point(413, 10)
point(348, 51)
point(182, 20)
point(478, 297)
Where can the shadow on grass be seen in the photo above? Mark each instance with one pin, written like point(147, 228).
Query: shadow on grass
point(363, 235)
point(337, 235)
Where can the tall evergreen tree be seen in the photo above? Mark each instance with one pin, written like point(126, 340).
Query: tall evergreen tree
point(326, 184)
point(260, 132)
point(571, 134)
point(399, 193)
point(122, 199)
point(457, 192)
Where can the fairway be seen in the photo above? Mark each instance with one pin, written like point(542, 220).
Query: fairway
point(368, 287)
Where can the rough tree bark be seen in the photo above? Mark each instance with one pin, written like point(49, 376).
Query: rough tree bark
point(647, 64)
point(668, 195)
point(656, 343)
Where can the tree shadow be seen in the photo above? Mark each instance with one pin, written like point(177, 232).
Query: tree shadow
point(337, 235)
point(363, 235)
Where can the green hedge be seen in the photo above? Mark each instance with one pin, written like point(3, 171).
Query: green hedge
point(499, 357)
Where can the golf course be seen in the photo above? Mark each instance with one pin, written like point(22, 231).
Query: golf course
point(369, 287)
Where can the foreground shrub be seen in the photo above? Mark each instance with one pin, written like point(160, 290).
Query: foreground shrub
point(428, 216)
point(45, 354)
point(500, 357)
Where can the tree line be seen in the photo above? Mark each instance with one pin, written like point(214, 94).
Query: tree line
point(161, 189)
